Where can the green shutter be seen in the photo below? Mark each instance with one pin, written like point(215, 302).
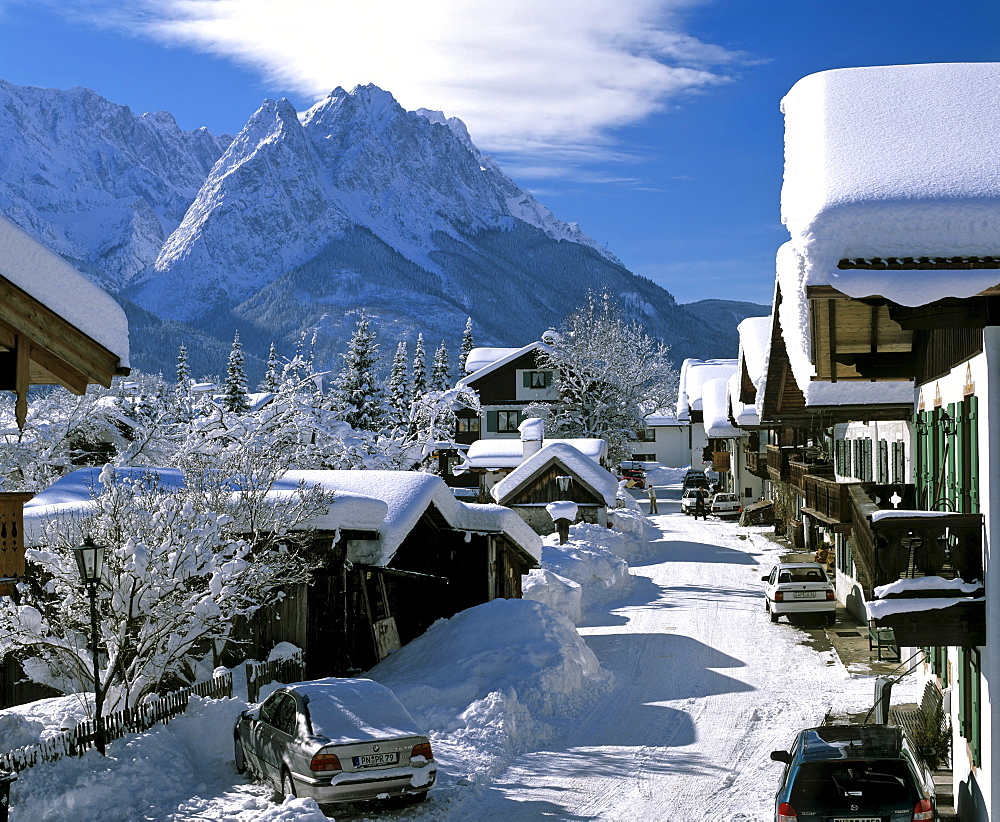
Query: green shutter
point(972, 463)
point(547, 376)
point(526, 378)
point(491, 421)
point(883, 462)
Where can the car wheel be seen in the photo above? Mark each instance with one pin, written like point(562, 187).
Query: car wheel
point(416, 798)
point(239, 755)
point(774, 617)
point(831, 619)
point(287, 785)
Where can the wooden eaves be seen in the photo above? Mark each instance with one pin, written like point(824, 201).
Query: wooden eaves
point(39, 347)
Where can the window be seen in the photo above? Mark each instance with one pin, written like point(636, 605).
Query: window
point(507, 422)
point(645, 435)
point(537, 379)
point(468, 425)
point(644, 457)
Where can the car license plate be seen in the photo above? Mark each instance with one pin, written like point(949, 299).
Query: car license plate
point(808, 595)
point(374, 760)
point(856, 819)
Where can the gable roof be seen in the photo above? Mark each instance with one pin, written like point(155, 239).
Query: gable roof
point(602, 482)
point(511, 355)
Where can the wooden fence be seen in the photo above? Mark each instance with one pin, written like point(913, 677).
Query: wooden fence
point(116, 725)
point(259, 674)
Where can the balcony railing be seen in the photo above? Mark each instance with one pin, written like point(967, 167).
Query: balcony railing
point(778, 458)
point(757, 463)
point(828, 500)
point(799, 469)
point(921, 571)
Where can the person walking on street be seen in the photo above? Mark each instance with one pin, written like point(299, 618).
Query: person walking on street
point(651, 492)
point(699, 505)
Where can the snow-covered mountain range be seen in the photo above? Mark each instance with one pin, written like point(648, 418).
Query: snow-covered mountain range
point(300, 221)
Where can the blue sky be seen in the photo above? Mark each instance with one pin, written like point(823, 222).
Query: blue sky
point(654, 124)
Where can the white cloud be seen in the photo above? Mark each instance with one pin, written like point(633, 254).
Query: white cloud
point(529, 77)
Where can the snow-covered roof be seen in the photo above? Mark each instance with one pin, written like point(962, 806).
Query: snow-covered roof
point(659, 420)
point(491, 366)
point(743, 414)
point(694, 374)
point(57, 285)
point(387, 502)
point(894, 161)
point(793, 316)
point(755, 343)
point(481, 357)
point(509, 453)
point(604, 483)
point(715, 404)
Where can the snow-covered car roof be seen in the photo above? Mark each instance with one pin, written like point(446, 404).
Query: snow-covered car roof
point(355, 710)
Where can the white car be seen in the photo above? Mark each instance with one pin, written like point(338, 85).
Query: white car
point(799, 588)
point(726, 505)
point(689, 499)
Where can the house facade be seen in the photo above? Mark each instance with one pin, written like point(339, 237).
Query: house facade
point(883, 363)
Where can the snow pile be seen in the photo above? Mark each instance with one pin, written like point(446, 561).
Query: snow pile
point(590, 560)
point(633, 523)
point(563, 509)
point(666, 476)
point(542, 585)
point(494, 681)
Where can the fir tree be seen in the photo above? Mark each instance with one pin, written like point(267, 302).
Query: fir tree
point(441, 370)
point(183, 370)
point(234, 397)
point(467, 345)
point(399, 385)
point(272, 376)
point(419, 369)
point(358, 391)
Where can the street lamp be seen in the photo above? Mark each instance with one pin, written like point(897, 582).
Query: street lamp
point(90, 561)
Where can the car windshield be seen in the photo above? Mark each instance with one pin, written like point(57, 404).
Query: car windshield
point(836, 784)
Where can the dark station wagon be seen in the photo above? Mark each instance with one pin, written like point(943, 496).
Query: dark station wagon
point(853, 773)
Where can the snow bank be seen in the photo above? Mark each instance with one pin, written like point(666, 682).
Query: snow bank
point(666, 476)
point(601, 574)
point(542, 585)
point(494, 681)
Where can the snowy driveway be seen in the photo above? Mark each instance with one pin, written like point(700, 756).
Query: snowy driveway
point(706, 687)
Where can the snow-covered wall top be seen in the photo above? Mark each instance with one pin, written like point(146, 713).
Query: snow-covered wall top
point(694, 374)
point(56, 284)
point(600, 479)
point(893, 161)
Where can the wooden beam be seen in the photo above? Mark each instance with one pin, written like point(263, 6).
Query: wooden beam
point(22, 352)
point(63, 374)
point(46, 329)
point(831, 307)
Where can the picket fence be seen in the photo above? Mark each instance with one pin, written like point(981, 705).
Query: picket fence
point(259, 674)
point(131, 720)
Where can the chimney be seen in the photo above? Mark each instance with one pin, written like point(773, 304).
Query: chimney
point(532, 433)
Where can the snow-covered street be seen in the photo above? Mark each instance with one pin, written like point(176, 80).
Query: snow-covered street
point(702, 687)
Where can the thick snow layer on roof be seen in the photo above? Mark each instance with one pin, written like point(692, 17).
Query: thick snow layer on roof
point(587, 469)
point(71, 496)
point(481, 357)
point(56, 284)
point(793, 316)
point(694, 374)
point(408, 495)
point(562, 509)
point(715, 402)
point(509, 453)
point(894, 161)
point(755, 341)
point(657, 420)
point(743, 414)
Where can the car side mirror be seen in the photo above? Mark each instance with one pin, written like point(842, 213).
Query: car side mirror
point(781, 756)
point(764, 579)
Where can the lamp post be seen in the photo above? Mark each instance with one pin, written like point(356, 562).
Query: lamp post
point(90, 561)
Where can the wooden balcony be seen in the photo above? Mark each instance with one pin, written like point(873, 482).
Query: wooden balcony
point(828, 501)
point(799, 469)
point(757, 463)
point(778, 458)
point(921, 571)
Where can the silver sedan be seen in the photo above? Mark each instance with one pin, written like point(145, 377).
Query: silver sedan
point(335, 740)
